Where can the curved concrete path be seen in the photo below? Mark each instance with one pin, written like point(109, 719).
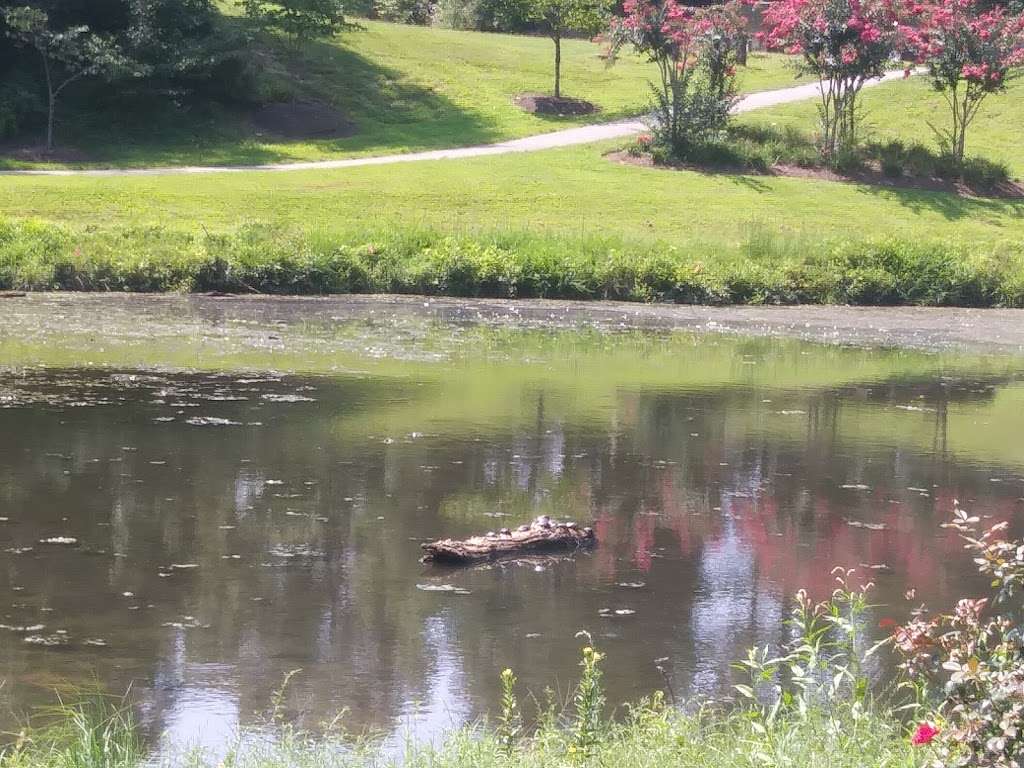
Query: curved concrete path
point(567, 138)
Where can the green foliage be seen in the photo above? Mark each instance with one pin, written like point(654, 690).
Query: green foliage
point(301, 19)
point(759, 148)
point(139, 48)
point(763, 270)
point(510, 722)
point(404, 11)
point(651, 734)
point(822, 664)
point(561, 18)
point(67, 55)
point(695, 51)
point(898, 159)
point(589, 701)
point(967, 667)
point(92, 733)
point(483, 15)
point(19, 98)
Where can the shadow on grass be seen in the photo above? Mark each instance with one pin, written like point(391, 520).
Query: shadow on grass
point(950, 206)
point(389, 113)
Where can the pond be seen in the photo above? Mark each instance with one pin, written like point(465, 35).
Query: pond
point(199, 498)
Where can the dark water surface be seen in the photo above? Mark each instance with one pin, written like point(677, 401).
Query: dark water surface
point(176, 519)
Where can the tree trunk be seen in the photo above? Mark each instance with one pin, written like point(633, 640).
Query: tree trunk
point(960, 134)
point(558, 67)
point(49, 124)
point(541, 536)
point(51, 99)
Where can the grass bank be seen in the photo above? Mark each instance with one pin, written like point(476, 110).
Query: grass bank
point(762, 268)
point(399, 88)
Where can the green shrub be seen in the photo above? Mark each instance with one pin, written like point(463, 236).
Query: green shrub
point(404, 11)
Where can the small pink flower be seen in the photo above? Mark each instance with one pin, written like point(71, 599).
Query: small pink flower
point(924, 734)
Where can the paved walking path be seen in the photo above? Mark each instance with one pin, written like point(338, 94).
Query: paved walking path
point(567, 138)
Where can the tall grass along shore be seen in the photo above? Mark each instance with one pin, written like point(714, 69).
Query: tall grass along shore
point(763, 268)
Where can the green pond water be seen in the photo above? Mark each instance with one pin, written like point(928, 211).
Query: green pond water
point(199, 497)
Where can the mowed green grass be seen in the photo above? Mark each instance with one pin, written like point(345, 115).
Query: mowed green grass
point(572, 191)
point(566, 192)
point(404, 88)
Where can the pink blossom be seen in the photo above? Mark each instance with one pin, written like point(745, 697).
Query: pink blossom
point(924, 734)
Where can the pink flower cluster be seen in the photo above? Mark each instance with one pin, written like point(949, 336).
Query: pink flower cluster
point(855, 36)
point(675, 29)
point(958, 40)
point(923, 734)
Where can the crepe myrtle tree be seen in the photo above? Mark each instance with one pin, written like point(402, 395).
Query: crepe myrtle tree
point(560, 18)
point(844, 43)
point(695, 52)
point(969, 52)
point(67, 55)
point(301, 19)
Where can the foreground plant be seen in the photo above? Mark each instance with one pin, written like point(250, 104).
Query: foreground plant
point(967, 667)
point(970, 50)
point(589, 700)
point(843, 43)
point(93, 733)
point(821, 666)
point(302, 20)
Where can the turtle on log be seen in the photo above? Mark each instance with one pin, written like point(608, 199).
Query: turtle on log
point(542, 535)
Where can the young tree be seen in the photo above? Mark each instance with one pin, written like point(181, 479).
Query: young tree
point(302, 19)
point(844, 43)
point(68, 55)
point(969, 53)
point(560, 18)
point(695, 51)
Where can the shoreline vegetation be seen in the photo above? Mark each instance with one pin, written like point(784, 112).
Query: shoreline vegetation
point(648, 733)
point(762, 268)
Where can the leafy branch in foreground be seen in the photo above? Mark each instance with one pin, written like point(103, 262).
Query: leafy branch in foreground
point(967, 667)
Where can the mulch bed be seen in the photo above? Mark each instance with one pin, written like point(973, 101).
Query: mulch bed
point(302, 120)
point(542, 104)
point(870, 174)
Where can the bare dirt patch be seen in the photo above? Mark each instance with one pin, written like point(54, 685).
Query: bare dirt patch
point(302, 120)
point(543, 104)
point(871, 174)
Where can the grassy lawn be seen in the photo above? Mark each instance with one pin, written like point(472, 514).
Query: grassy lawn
point(568, 192)
point(405, 88)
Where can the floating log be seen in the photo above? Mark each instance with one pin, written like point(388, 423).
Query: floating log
point(542, 535)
